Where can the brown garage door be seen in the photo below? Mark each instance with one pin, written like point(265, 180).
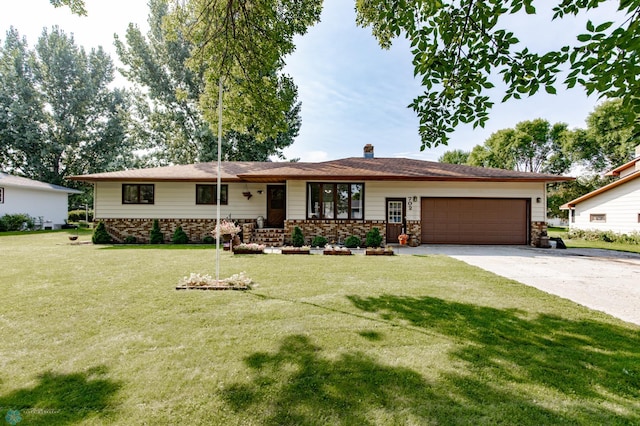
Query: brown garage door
point(475, 221)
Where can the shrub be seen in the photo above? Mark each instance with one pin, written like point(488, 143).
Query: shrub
point(319, 241)
point(208, 239)
point(16, 222)
point(100, 235)
point(156, 236)
point(352, 241)
point(373, 238)
point(179, 236)
point(78, 215)
point(297, 239)
point(130, 239)
point(606, 236)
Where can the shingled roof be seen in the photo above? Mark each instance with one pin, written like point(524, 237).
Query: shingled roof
point(354, 168)
point(22, 182)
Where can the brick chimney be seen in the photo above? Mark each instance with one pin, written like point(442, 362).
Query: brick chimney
point(368, 151)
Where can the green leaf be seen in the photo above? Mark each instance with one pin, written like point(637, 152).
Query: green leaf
point(550, 89)
point(603, 26)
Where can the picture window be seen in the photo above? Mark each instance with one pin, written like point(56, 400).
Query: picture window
point(138, 193)
point(208, 194)
point(335, 200)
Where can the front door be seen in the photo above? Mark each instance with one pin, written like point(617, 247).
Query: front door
point(395, 219)
point(276, 206)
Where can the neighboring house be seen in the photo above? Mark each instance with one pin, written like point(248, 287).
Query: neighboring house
point(434, 202)
point(45, 202)
point(614, 207)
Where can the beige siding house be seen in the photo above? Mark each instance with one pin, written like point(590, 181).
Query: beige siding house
point(614, 207)
point(432, 202)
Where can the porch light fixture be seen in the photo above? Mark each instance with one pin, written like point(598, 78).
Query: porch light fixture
point(260, 191)
point(538, 200)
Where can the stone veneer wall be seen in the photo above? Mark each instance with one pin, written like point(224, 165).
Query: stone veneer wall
point(414, 229)
point(539, 236)
point(196, 229)
point(333, 230)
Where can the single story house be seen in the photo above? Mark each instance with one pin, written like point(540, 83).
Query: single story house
point(614, 207)
point(435, 203)
point(45, 202)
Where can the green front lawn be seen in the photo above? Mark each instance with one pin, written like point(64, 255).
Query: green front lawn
point(98, 336)
point(582, 243)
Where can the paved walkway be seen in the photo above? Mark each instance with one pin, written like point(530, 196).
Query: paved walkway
point(603, 280)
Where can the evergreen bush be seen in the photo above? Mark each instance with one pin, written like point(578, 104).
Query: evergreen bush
point(179, 236)
point(156, 236)
point(208, 239)
point(373, 238)
point(319, 241)
point(352, 241)
point(100, 234)
point(130, 239)
point(297, 239)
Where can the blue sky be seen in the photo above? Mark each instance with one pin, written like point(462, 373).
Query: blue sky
point(352, 92)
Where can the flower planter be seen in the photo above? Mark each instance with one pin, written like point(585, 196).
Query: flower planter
point(212, 287)
point(294, 251)
point(236, 251)
point(374, 252)
point(337, 252)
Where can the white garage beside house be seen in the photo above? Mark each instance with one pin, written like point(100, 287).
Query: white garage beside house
point(433, 202)
point(614, 207)
point(45, 202)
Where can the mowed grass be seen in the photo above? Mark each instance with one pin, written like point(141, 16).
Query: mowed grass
point(582, 243)
point(97, 336)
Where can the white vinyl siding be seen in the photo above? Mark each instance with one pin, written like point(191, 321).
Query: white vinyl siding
point(621, 205)
point(296, 200)
point(178, 200)
point(52, 206)
point(376, 192)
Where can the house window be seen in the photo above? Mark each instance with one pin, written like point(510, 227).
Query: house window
point(137, 193)
point(2, 196)
point(573, 216)
point(335, 200)
point(598, 218)
point(208, 194)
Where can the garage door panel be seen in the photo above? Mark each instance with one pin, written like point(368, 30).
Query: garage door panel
point(474, 221)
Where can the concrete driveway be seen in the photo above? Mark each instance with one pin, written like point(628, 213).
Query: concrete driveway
point(603, 280)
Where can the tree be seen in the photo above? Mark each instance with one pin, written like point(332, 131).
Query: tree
point(608, 140)
point(460, 47)
point(168, 114)
point(456, 156)
point(559, 193)
point(76, 6)
point(533, 146)
point(243, 44)
point(58, 117)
